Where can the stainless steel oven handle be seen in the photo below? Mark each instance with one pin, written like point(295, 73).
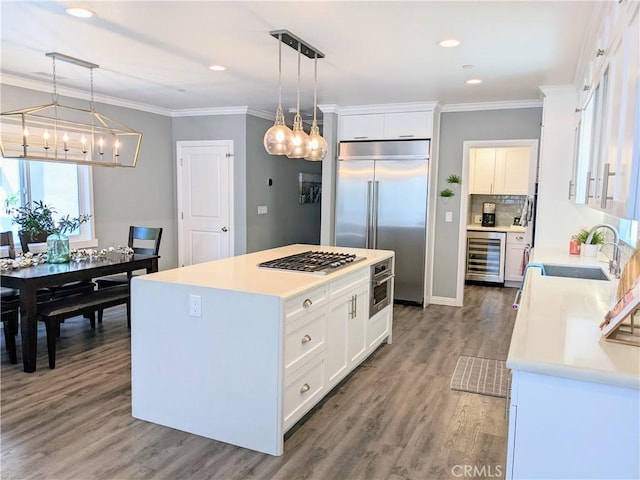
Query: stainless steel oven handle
point(380, 281)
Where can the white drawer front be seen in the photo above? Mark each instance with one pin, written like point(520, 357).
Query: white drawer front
point(345, 284)
point(306, 302)
point(516, 238)
point(304, 337)
point(302, 390)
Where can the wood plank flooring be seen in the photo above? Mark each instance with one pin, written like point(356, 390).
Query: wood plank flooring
point(393, 418)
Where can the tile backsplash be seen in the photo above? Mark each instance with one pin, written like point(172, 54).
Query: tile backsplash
point(507, 207)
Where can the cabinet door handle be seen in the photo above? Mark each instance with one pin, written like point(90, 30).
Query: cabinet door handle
point(586, 193)
point(605, 185)
point(359, 138)
point(570, 188)
point(406, 136)
point(304, 388)
point(307, 303)
point(306, 339)
point(519, 238)
point(355, 305)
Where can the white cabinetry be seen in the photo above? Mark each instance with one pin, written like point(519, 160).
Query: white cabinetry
point(386, 126)
point(347, 326)
point(516, 243)
point(565, 428)
point(500, 171)
point(609, 143)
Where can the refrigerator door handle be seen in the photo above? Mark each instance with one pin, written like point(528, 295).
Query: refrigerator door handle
point(367, 226)
point(376, 188)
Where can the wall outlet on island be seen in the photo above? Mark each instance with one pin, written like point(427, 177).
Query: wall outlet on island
point(477, 219)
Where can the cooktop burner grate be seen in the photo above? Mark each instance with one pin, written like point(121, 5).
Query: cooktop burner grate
point(319, 263)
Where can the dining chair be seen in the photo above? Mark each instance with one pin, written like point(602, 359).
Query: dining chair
point(9, 303)
point(144, 241)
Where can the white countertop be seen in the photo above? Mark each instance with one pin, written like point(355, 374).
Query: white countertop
point(241, 273)
point(507, 229)
point(557, 330)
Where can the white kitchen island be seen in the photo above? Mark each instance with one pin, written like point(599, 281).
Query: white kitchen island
point(575, 398)
point(238, 353)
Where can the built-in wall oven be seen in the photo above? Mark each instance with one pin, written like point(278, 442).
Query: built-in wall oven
point(381, 286)
point(485, 256)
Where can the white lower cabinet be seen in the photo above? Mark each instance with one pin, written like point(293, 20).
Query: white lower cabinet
point(516, 243)
point(567, 428)
point(347, 328)
point(303, 388)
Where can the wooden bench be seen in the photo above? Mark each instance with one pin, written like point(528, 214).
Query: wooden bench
point(58, 310)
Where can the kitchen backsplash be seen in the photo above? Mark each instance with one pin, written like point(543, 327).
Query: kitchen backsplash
point(507, 207)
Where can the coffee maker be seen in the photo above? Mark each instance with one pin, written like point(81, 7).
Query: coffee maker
point(488, 214)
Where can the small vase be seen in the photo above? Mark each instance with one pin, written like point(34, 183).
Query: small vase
point(58, 248)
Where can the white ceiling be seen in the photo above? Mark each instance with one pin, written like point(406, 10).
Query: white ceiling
point(157, 53)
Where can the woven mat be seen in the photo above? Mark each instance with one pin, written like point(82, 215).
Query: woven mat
point(481, 375)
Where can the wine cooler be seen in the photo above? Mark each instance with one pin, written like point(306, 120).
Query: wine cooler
point(485, 256)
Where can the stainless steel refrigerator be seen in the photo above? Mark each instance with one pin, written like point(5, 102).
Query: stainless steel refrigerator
point(381, 203)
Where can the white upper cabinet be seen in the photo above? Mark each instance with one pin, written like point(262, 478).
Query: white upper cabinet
point(387, 126)
point(500, 171)
point(606, 173)
point(362, 127)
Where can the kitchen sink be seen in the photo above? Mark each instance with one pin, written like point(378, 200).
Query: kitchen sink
point(589, 273)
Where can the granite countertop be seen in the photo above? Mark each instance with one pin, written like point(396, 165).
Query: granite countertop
point(508, 229)
point(241, 273)
point(557, 332)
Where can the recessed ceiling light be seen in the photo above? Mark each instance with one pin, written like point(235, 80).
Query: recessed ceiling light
point(473, 81)
point(80, 12)
point(217, 68)
point(449, 42)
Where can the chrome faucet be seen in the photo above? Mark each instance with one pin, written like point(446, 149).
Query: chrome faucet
point(616, 236)
point(614, 262)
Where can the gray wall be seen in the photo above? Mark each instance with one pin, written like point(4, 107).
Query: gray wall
point(456, 128)
point(287, 221)
point(123, 196)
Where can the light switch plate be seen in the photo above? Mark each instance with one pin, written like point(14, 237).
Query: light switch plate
point(448, 216)
point(262, 210)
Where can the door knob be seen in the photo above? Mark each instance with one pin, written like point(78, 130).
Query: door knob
point(225, 229)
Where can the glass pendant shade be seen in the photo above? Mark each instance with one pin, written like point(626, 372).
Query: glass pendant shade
point(299, 147)
point(278, 139)
point(318, 146)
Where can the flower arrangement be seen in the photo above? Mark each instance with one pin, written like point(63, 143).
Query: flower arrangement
point(30, 259)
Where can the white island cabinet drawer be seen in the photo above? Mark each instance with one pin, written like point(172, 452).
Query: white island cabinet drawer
point(306, 302)
point(348, 283)
point(302, 389)
point(304, 337)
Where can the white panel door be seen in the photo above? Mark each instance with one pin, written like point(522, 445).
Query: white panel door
point(204, 201)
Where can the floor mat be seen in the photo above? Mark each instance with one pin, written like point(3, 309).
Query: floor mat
point(481, 375)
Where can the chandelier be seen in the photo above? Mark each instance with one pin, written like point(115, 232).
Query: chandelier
point(58, 133)
point(279, 139)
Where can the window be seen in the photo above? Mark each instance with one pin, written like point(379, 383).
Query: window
point(64, 186)
point(628, 231)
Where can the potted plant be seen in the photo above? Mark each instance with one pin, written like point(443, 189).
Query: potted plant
point(37, 222)
point(591, 249)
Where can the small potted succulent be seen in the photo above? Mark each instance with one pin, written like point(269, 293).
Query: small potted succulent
point(37, 223)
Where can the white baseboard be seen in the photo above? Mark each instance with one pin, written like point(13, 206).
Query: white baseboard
point(451, 302)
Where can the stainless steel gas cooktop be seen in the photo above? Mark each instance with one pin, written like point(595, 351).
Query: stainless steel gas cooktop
point(318, 263)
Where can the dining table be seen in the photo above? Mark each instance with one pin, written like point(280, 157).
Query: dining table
point(31, 278)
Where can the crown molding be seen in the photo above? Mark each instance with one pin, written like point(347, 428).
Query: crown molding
point(558, 89)
point(386, 108)
point(329, 108)
point(474, 107)
point(16, 81)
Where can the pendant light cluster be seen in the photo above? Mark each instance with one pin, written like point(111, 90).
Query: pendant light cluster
point(279, 139)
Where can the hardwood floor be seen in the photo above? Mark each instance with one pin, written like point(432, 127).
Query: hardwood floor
point(394, 417)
